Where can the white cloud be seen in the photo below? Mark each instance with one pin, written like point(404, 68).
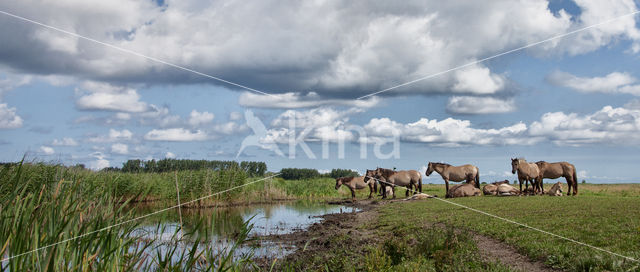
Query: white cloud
point(325, 47)
point(607, 126)
point(47, 150)
point(176, 135)
point(100, 162)
point(103, 96)
point(296, 100)
point(121, 149)
point(448, 132)
point(477, 80)
point(114, 135)
point(479, 105)
point(64, 142)
point(235, 116)
point(200, 118)
point(8, 117)
point(170, 155)
point(614, 82)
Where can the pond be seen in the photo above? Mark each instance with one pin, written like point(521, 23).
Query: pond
point(222, 224)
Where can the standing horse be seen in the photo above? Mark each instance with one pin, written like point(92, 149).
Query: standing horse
point(356, 183)
point(448, 172)
point(559, 169)
point(528, 172)
point(388, 177)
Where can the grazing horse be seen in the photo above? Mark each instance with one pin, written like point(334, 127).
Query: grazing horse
point(448, 172)
point(406, 178)
point(559, 169)
point(528, 172)
point(356, 183)
point(463, 190)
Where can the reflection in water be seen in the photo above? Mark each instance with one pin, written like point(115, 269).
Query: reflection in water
point(219, 226)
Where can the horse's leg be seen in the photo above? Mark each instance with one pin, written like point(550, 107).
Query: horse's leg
point(446, 185)
point(353, 193)
point(520, 181)
point(541, 186)
point(569, 184)
point(370, 191)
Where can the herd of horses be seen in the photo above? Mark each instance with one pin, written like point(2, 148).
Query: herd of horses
point(527, 172)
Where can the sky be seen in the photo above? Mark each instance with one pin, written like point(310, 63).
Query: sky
point(290, 83)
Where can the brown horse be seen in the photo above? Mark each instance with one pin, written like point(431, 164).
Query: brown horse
point(528, 172)
point(463, 190)
point(356, 183)
point(492, 189)
point(559, 169)
point(448, 172)
point(556, 190)
point(405, 178)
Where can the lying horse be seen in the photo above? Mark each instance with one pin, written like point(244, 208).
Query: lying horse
point(448, 172)
point(528, 172)
point(492, 189)
point(556, 170)
point(507, 190)
point(463, 190)
point(406, 178)
point(556, 190)
point(356, 183)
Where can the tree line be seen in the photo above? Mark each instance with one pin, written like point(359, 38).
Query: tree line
point(251, 168)
point(308, 173)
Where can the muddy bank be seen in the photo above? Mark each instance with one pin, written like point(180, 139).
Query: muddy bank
point(355, 233)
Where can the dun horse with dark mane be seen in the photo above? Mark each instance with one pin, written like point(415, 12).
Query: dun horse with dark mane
point(356, 183)
point(467, 172)
point(387, 177)
point(527, 171)
point(555, 170)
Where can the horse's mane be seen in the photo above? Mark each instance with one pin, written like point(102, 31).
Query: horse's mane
point(441, 163)
point(386, 172)
point(345, 179)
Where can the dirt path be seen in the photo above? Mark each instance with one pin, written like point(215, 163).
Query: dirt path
point(317, 238)
point(492, 249)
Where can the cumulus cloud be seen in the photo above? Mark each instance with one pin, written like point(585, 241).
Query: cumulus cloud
point(336, 49)
point(609, 125)
point(170, 155)
point(8, 117)
point(47, 150)
point(615, 82)
point(100, 161)
point(64, 142)
point(296, 100)
point(121, 149)
point(479, 105)
point(448, 132)
point(114, 135)
point(176, 135)
point(103, 96)
point(478, 80)
point(200, 118)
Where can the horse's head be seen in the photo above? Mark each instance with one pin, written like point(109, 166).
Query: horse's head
point(514, 165)
point(429, 169)
point(338, 183)
point(368, 175)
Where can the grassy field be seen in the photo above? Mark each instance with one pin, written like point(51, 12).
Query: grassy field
point(605, 216)
point(433, 235)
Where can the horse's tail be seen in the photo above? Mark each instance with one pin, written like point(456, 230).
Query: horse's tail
point(575, 181)
point(477, 178)
point(375, 186)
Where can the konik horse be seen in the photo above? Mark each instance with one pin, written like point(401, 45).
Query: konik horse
point(559, 169)
point(461, 173)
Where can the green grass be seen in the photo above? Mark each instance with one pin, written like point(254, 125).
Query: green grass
point(610, 221)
